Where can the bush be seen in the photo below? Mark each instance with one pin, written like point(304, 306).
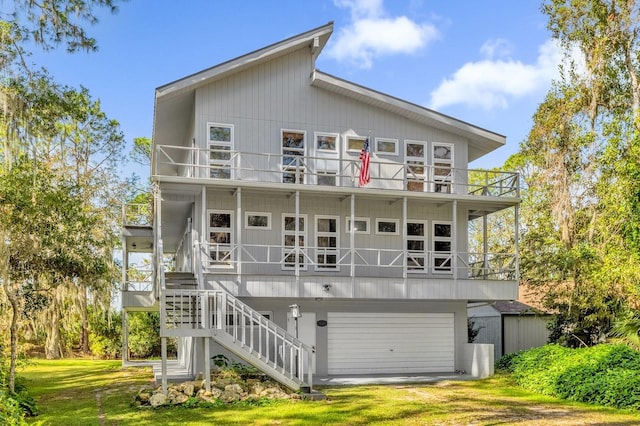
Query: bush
point(605, 374)
point(10, 412)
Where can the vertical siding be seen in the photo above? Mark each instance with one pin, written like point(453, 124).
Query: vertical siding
point(524, 332)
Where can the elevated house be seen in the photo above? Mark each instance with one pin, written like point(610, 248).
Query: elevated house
point(315, 226)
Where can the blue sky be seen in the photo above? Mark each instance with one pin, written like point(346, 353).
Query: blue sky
point(488, 62)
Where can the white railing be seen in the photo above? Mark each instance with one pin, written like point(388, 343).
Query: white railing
point(248, 329)
point(137, 214)
point(139, 278)
point(490, 266)
point(331, 171)
point(367, 261)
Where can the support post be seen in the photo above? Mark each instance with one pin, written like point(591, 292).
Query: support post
point(206, 341)
point(517, 241)
point(163, 351)
point(352, 245)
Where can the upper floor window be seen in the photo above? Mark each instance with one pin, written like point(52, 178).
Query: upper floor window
point(442, 166)
point(415, 159)
point(442, 254)
point(354, 144)
point(220, 144)
point(327, 142)
point(293, 152)
point(255, 220)
point(386, 146)
point(360, 225)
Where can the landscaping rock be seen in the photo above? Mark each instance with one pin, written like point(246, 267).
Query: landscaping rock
point(157, 399)
point(229, 396)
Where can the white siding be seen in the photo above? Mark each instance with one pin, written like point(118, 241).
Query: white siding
point(370, 343)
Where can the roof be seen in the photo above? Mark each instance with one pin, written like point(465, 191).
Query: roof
point(481, 141)
point(174, 102)
point(513, 307)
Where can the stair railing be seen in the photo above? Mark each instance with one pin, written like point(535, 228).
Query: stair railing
point(249, 330)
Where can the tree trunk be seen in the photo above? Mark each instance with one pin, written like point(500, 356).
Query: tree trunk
point(84, 326)
point(53, 348)
point(15, 308)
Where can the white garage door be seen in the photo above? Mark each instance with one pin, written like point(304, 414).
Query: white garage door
point(376, 343)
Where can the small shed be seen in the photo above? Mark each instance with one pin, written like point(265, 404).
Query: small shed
point(510, 326)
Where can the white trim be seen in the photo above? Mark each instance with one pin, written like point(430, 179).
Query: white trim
point(387, 140)
point(442, 183)
point(416, 253)
point(224, 163)
point(327, 250)
point(229, 230)
point(355, 138)
point(416, 162)
point(261, 228)
point(347, 222)
point(333, 135)
point(445, 254)
point(327, 173)
point(302, 153)
point(382, 219)
point(292, 233)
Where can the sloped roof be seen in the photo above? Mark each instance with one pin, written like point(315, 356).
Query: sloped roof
point(174, 102)
point(481, 141)
point(513, 307)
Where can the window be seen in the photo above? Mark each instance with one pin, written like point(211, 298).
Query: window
point(327, 142)
point(442, 247)
point(415, 155)
point(220, 238)
point(293, 152)
point(361, 225)
point(326, 178)
point(257, 221)
point(355, 144)
point(327, 242)
point(289, 241)
point(442, 167)
point(416, 246)
point(387, 227)
point(386, 146)
point(220, 143)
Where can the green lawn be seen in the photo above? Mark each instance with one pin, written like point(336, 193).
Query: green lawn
point(87, 392)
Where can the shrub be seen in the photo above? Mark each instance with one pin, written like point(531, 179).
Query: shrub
point(10, 412)
point(604, 374)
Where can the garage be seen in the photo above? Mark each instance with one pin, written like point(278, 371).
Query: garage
point(379, 343)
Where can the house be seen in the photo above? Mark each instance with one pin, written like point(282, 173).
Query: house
point(281, 256)
point(510, 326)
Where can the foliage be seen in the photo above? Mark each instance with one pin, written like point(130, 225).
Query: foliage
point(144, 334)
point(472, 331)
point(627, 328)
point(605, 374)
point(106, 334)
point(10, 412)
point(580, 215)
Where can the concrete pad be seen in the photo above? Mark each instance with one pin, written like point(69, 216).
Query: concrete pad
point(388, 379)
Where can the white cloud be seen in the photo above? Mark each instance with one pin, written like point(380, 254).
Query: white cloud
point(498, 47)
point(493, 83)
point(371, 34)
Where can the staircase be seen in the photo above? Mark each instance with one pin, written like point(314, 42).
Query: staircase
point(180, 281)
point(237, 327)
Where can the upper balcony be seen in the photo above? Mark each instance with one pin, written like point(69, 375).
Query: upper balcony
point(327, 171)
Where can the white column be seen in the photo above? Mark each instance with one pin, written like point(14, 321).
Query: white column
point(517, 241)
point(204, 235)
point(404, 243)
point(125, 336)
point(297, 242)
point(163, 352)
point(352, 245)
point(454, 242)
point(239, 238)
point(206, 341)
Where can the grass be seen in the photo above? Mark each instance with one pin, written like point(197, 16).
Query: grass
point(88, 392)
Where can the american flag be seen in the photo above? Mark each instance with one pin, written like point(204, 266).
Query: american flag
point(365, 157)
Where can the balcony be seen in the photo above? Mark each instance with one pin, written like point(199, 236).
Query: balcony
point(327, 171)
point(360, 262)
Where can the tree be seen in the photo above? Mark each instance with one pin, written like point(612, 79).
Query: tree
point(581, 165)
